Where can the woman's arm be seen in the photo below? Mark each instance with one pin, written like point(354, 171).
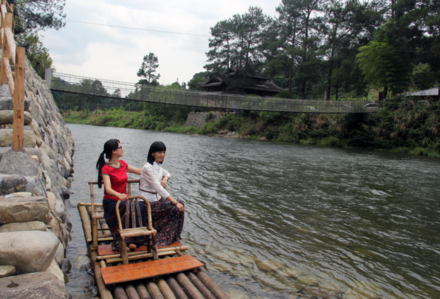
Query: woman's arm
point(110, 191)
point(164, 181)
point(165, 178)
point(135, 170)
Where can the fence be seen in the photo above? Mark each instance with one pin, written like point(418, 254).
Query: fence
point(16, 56)
point(210, 100)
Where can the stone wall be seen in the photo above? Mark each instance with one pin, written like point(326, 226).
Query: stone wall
point(34, 229)
point(198, 119)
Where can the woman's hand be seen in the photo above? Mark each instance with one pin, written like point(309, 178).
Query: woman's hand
point(123, 196)
point(180, 207)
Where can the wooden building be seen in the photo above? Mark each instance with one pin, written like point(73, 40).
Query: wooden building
point(254, 84)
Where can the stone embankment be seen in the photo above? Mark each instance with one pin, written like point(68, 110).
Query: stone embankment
point(198, 119)
point(34, 228)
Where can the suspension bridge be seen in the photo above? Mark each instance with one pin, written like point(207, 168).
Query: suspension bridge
point(210, 100)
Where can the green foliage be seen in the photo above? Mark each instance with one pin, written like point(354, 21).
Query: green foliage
point(37, 54)
point(193, 84)
point(384, 67)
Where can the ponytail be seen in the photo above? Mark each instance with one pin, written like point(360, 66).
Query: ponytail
point(110, 146)
point(99, 165)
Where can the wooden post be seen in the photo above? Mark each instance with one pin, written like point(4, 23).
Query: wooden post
point(18, 120)
point(5, 48)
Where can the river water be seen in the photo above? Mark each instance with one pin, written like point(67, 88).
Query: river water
point(279, 220)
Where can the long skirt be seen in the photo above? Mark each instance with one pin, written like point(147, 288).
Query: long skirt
point(110, 217)
point(167, 221)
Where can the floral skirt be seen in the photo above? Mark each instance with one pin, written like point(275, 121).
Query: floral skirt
point(167, 221)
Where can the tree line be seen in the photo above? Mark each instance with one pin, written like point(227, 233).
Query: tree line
point(333, 48)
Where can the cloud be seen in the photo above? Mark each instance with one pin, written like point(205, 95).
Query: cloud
point(116, 53)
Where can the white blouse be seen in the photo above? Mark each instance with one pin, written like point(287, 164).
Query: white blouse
point(150, 179)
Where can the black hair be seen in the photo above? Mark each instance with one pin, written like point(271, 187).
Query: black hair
point(157, 146)
point(110, 146)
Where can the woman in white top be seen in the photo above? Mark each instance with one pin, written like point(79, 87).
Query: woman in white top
point(167, 212)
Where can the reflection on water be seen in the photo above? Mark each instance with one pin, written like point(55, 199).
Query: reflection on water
point(281, 221)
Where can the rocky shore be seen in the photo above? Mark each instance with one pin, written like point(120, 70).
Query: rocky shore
point(34, 229)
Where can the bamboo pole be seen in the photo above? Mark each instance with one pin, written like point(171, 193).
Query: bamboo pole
point(94, 221)
point(200, 286)
point(177, 289)
point(85, 219)
point(212, 286)
point(103, 291)
point(189, 288)
point(133, 253)
point(166, 290)
point(120, 293)
point(154, 291)
point(8, 72)
point(99, 228)
point(138, 257)
point(131, 291)
point(142, 291)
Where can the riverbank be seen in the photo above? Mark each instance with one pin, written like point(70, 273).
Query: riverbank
point(34, 227)
point(407, 127)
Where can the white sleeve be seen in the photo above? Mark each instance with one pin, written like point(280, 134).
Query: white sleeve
point(148, 175)
point(165, 173)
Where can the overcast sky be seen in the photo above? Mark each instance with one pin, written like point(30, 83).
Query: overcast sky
point(116, 54)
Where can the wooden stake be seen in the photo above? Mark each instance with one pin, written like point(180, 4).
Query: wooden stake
point(18, 121)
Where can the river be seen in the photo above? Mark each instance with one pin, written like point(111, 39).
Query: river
point(279, 220)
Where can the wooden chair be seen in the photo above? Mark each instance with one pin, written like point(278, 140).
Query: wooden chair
point(149, 232)
point(97, 215)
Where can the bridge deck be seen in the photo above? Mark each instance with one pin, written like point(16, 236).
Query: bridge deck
point(142, 93)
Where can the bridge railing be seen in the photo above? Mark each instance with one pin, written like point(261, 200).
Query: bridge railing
point(210, 100)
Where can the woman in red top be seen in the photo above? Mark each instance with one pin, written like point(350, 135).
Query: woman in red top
point(113, 174)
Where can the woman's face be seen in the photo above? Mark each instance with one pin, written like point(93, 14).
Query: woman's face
point(159, 156)
point(119, 152)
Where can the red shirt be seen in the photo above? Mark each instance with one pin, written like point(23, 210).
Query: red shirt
point(118, 178)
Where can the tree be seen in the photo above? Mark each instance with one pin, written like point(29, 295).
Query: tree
point(39, 15)
point(384, 67)
point(148, 68)
point(220, 54)
point(237, 42)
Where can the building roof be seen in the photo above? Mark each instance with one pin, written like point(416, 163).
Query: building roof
point(423, 93)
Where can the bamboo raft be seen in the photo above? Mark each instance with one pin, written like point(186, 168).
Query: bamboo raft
point(174, 275)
